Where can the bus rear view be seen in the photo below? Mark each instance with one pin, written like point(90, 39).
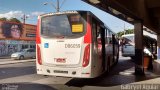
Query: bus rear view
point(61, 46)
point(74, 44)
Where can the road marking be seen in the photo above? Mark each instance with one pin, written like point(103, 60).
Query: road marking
point(16, 61)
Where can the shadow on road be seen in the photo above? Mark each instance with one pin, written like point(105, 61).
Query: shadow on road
point(7, 72)
point(26, 86)
point(122, 73)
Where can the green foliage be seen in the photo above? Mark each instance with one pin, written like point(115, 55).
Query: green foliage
point(128, 31)
point(3, 19)
point(14, 20)
point(10, 20)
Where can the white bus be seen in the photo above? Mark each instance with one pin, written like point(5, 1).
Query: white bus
point(128, 47)
point(74, 44)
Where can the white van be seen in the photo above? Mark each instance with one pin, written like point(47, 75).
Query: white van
point(128, 47)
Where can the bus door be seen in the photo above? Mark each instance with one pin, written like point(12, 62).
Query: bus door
point(101, 45)
point(114, 47)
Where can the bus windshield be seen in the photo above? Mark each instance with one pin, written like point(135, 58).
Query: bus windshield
point(67, 26)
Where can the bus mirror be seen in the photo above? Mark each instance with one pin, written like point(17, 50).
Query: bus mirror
point(77, 28)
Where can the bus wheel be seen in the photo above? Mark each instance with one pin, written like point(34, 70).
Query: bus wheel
point(108, 64)
point(117, 58)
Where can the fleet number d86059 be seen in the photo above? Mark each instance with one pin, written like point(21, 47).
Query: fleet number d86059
point(72, 46)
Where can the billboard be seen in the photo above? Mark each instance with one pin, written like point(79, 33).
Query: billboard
point(29, 32)
point(17, 31)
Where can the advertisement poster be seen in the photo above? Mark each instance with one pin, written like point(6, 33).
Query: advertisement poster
point(17, 31)
point(29, 32)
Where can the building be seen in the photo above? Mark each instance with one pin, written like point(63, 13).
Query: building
point(16, 36)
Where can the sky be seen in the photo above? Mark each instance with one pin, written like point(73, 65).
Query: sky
point(33, 8)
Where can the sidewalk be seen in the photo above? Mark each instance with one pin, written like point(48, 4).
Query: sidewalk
point(146, 84)
point(5, 57)
point(16, 61)
point(7, 60)
point(157, 61)
point(156, 64)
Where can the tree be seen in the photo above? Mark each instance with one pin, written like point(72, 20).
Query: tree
point(14, 20)
point(120, 33)
point(128, 31)
point(3, 19)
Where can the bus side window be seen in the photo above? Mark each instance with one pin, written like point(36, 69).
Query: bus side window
point(109, 39)
point(94, 28)
point(98, 33)
point(99, 37)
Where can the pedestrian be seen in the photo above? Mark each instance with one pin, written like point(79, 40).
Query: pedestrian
point(148, 53)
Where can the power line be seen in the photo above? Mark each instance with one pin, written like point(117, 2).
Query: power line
point(57, 6)
point(24, 18)
point(62, 3)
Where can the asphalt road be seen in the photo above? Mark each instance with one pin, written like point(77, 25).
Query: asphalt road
point(22, 76)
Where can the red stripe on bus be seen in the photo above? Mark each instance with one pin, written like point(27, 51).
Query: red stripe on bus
point(86, 56)
point(38, 40)
point(87, 37)
point(39, 55)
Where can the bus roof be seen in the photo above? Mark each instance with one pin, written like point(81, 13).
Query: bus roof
point(63, 12)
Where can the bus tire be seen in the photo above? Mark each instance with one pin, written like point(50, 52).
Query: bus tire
point(108, 65)
point(117, 58)
point(117, 55)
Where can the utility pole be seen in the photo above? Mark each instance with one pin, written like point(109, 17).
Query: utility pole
point(124, 28)
point(58, 6)
point(24, 18)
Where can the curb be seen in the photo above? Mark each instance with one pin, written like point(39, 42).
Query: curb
point(7, 57)
point(157, 61)
point(17, 61)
